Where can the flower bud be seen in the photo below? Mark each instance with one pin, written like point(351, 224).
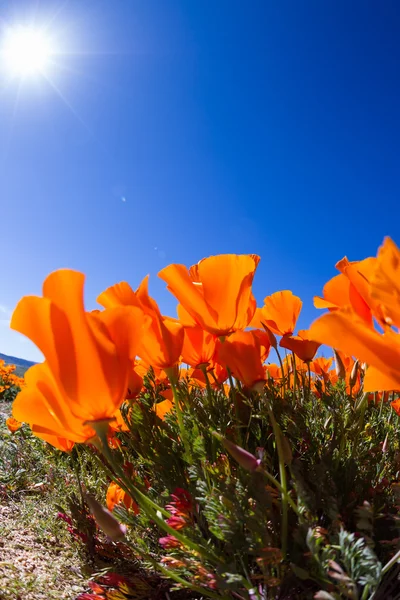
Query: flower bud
point(354, 373)
point(340, 369)
point(363, 368)
point(244, 458)
point(105, 520)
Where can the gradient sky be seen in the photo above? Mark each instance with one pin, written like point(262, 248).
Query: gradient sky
point(170, 130)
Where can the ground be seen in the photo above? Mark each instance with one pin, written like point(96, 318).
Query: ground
point(39, 559)
point(35, 562)
point(33, 565)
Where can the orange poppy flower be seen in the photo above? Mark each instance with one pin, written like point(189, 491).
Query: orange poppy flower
point(162, 336)
point(198, 346)
point(242, 353)
point(395, 405)
point(301, 345)
point(352, 288)
point(265, 344)
point(135, 384)
point(197, 378)
point(58, 442)
point(290, 362)
point(118, 422)
point(217, 375)
point(273, 371)
point(13, 425)
point(164, 407)
point(341, 330)
point(216, 292)
point(142, 369)
point(321, 366)
point(378, 397)
point(116, 495)
point(162, 343)
point(279, 313)
point(42, 405)
point(385, 283)
point(89, 355)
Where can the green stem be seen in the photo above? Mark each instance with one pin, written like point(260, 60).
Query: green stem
point(283, 373)
point(282, 474)
point(237, 428)
point(278, 486)
point(392, 561)
point(180, 422)
point(360, 409)
point(131, 489)
point(203, 369)
point(78, 479)
point(381, 407)
point(152, 509)
point(294, 375)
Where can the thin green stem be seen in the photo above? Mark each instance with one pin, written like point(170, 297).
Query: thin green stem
point(78, 479)
point(203, 369)
point(233, 388)
point(278, 486)
point(391, 563)
point(282, 474)
point(283, 373)
point(360, 408)
point(179, 416)
point(294, 375)
point(152, 510)
point(381, 406)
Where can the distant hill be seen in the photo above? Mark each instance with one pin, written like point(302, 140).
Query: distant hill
point(21, 364)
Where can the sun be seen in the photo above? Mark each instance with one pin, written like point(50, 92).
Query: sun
point(26, 51)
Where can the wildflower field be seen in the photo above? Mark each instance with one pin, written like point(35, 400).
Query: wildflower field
point(219, 454)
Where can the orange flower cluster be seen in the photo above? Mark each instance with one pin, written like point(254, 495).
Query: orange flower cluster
point(12, 424)
point(364, 315)
point(8, 379)
point(116, 495)
point(94, 361)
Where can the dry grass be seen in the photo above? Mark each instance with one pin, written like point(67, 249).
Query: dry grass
point(37, 561)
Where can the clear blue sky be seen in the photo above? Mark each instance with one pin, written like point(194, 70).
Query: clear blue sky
point(227, 126)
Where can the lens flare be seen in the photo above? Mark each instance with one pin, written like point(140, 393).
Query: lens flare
point(26, 51)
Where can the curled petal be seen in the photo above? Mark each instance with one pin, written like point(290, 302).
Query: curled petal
point(216, 292)
point(342, 330)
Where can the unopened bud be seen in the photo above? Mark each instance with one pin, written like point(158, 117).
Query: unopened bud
point(244, 458)
point(385, 444)
point(340, 370)
point(354, 373)
point(105, 520)
point(363, 368)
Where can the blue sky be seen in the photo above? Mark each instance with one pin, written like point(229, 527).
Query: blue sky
point(171, 130)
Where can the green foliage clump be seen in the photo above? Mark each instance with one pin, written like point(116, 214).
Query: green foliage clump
point(309, 509)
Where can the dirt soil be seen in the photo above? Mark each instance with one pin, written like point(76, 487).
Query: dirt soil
point(32, 568)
